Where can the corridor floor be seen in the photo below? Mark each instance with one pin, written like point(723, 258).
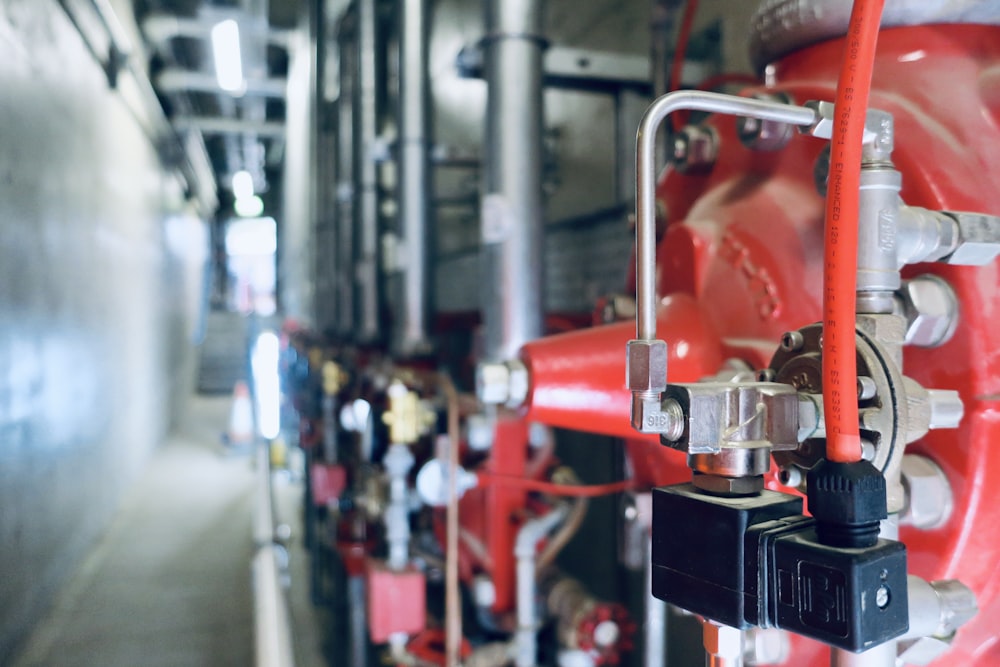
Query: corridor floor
point(169, 584)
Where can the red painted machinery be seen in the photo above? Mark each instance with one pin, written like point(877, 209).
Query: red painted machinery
point(740, 262)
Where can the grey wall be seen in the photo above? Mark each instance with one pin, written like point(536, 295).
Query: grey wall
point(99, 287)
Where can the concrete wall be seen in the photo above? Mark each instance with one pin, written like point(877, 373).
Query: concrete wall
point(99, 288)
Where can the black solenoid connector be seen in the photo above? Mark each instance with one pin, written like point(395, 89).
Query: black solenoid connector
point(757, 561)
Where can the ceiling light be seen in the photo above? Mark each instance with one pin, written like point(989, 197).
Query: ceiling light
point(228, 62)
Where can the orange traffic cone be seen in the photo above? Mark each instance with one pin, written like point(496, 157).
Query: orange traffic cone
point(241, 431)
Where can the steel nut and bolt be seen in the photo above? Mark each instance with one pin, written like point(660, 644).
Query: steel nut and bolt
point(931, 310)
point(694, 149)
point(929, 499)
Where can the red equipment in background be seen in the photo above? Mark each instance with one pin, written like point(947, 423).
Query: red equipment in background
point(741, 263)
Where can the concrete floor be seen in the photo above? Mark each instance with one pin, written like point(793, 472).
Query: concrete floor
point(169, 584)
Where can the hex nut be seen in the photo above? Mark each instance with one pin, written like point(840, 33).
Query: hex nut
point(695, 149)
point(722, 640)
point(492, 383)
point(931, 310)
point(647, 366)
point(929, 501)
point(766, 646)
point(728, 486)
point(979, 239)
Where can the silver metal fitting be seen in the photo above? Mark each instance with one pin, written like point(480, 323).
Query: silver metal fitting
point(646, 378)
point(718, 416)
point(931, 309)
point(938, 608)
point(502, 383)
point(878, 137)
point(979, 239)
point(764, 135)
point(765, 646)
point(928, 499)
point(946, 408)
point(694, 149)
point(647, 366)
point(724, 643)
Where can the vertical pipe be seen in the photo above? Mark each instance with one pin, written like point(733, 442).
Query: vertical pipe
point(512, 222)
point(414, 185)
point(366, 131)
point(297, 228)
point(656, 619)
point(345, 183)
point(358, 623)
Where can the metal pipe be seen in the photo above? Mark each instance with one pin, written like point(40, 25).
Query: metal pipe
point(272, 624)
point(414, 183)
point(397, 462)
point(512, 208)
point(345, 183)
point(358, 622)
point(161, 28)
point(655, 628)
point(645, 166)
point(525, 547)
point(271, 618)
point(366, 130)
point(174, 79)
point(213, 125)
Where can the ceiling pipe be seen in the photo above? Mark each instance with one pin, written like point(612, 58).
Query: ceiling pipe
point(215, 125)
point(414, 184)
point(174, 80)
point(346, 316)
point(159, 29)
point(365, 137)
point(512, 207)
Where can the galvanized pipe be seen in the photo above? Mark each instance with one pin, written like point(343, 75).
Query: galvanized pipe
point(645, 189)
point(272, 622)
point(366, 135)
point(345, 184)
point(512, 209)
point(414, 183)
point(655, 628)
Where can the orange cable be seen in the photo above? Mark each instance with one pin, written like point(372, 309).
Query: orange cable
point(840, 263)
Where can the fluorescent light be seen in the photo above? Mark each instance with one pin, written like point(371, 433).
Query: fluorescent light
point(250, 207)
point(267, 384)
point(243, 185)
point(228, 62)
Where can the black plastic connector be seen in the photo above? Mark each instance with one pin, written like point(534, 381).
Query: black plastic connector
point(848, 502)
point(757, 561)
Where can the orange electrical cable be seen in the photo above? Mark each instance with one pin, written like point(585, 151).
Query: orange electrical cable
point(843, 442)
point(571, 490)
point(680, 51)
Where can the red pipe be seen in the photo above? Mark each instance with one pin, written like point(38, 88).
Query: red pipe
point(576, 491)
point(840, 266)
point(680, 50)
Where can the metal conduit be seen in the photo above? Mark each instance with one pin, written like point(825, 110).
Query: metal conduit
point(272, 622)
point(414, 185)
point(512, 208)
point(345, 183)
point(366, 130)
point(645, 189)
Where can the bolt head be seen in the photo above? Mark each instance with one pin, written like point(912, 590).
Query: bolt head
point(931, 310)
point(722, 640)
point(647, 366)
point(929, 499)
